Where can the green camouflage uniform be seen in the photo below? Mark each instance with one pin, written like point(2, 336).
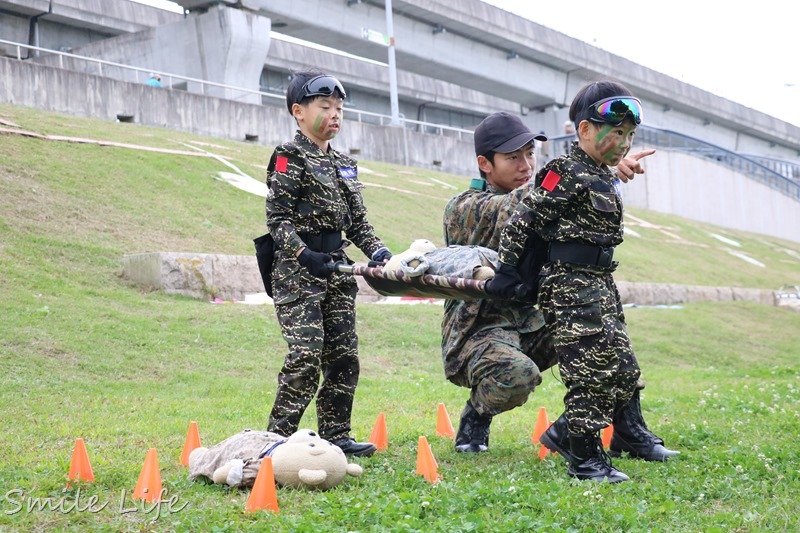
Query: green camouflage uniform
point(313, 191)
point(581, 304)
point(495, 348)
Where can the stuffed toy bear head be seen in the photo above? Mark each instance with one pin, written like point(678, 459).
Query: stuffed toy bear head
point(306, 460)
point(412, 261)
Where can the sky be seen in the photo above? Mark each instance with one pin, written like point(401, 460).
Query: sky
point(742, 51)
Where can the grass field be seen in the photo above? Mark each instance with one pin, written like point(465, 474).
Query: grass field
point(86, 354)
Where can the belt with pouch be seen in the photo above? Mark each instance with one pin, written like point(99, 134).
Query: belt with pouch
point(324, 241)
point(581, 254)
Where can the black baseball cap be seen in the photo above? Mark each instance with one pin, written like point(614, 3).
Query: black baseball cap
point(503, 133)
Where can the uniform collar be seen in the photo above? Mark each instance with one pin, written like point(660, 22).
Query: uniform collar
point(582, 157)
point(310, 147)
point(492, 189)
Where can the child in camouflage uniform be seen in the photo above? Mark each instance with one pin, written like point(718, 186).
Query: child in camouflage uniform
point(576, 209)
point(314, 195)
point(498, 348)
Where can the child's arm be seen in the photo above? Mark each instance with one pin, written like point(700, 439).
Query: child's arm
point(284, 185)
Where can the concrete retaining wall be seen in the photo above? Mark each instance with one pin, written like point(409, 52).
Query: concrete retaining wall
point(64, 91)
point(226, 46)
point(206, 276)
point(671, 294)
point(232, 277)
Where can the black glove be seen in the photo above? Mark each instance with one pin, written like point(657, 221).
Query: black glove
point(382, 255)
point(315, 262)
point(506, 282)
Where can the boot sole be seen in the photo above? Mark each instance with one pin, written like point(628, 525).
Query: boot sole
point(553, 447)
point(471, 450)
point(660, 459)
point(617, 453)
point(365, 453)
point(605, 479)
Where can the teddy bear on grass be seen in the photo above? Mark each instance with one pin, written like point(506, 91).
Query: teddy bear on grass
point(304, 460)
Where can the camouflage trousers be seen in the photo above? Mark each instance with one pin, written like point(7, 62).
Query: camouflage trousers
point(320, 328)
point(582, 310)
point(503, 367)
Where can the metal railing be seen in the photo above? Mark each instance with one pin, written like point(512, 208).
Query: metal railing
point(743, 164)
point(783, 167)
point(779, 175)
point(105, 68)
point(751, 166)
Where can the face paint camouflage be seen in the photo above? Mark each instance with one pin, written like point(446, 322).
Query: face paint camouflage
point(607, 148)
point(318, 127)
point(605, 130)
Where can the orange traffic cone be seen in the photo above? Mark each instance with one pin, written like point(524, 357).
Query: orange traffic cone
point(608, 432)
point(264, 495)
point(378, 436)
point(426, 462)
point(444, 428)
point(543, 451)
point(80, 468)
point(541, 425)
point(192, 442)
point(148, 488)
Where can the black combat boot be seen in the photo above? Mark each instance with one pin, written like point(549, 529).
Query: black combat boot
point(590, 461)
point(473, 431)
point(631, 435)
point(352, 447)
point(556, 438)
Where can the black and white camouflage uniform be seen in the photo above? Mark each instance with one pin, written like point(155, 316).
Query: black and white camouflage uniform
point(575, 201)
point(314, 192)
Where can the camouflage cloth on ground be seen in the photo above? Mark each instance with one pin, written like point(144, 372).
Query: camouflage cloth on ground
point(249, 446)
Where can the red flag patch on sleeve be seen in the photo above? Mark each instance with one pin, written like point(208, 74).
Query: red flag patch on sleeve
point(550, 180)
point(281, 162)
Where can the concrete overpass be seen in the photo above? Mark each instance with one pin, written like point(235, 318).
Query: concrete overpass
point(498, 53)
point(457, 59)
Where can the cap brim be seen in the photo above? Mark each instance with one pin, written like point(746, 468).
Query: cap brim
point(517, 142)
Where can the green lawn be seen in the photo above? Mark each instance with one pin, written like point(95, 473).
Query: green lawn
point(86, 354)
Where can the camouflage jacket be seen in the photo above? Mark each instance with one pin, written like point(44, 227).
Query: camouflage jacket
point(313, 191)
point(476, 218)
point(574, 200)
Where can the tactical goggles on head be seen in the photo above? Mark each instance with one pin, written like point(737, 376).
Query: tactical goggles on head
point(614, 111)
point(322, 86)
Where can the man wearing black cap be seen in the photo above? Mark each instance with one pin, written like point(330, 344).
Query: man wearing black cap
point(495, 348)
point(498, 349)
